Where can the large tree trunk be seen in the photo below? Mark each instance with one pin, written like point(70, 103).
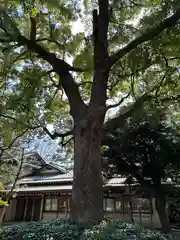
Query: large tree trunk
point(161, 209)
point(87, 194)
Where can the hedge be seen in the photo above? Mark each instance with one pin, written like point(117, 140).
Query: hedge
point(64, 230)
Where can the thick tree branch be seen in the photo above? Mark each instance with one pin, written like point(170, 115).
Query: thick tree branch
point(118, 103)
point(119, 121)
point(59, 66)
point(57, 43)
point(149, 35)
point(18, 121)
point(33, 29)
point(121, 118)
point(7, 116)
point(100, 32)
point(57, 134)
point(62, 69)
point(45, 129)
point(63, 143)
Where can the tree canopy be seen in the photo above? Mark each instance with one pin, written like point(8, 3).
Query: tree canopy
point(149, 151)
point(130, 52)
point(32, 96)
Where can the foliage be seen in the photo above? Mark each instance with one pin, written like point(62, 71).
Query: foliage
point(7, 172)
point(47, 71)
point(63, 229)
point(146, 147)
point(2, 202)
point(147, 150)
point(33, 94)
point(10, 157)
point(33, 97)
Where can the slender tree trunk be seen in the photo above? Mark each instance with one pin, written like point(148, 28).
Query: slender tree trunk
point(9, 194)
point(2, 214)
point(161, 209)
point(87, 195)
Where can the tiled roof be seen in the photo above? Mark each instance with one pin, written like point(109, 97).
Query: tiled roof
point(117, 181)
point(68, 177)
point(45, 179)
point(62, 177)
point(57, 166)
point(35, 160)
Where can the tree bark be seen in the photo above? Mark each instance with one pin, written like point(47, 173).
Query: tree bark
point(87, 194)
point(2, 214)
point(161, 209)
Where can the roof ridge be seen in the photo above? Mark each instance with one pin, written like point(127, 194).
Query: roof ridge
point(57, 166)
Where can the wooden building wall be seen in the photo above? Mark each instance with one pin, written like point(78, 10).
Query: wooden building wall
point(149, 220)
point(11, 210)
point(146, 220)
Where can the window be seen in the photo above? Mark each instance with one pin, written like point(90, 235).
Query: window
point(118, 205)
point(51, 205)
point(47, 204)
point(112, 205)
point(109, 205)
point(62, 205)
point(126, 204)
point(139, 205)
point(142, 205)
point(54, 204)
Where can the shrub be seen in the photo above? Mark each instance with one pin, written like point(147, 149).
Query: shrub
point(64, 230)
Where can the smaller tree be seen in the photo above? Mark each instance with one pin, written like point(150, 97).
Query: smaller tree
point(5, 196)
point(146, 151)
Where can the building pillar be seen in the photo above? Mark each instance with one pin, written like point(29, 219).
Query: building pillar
point(32, 213)
point(25, 208)
point(42, 207)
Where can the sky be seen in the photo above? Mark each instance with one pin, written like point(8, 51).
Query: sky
point(77, 27)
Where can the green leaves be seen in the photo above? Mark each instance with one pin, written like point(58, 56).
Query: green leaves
point(63, 229)
point(7, 139)
point(148, 145)
point(7, 59)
